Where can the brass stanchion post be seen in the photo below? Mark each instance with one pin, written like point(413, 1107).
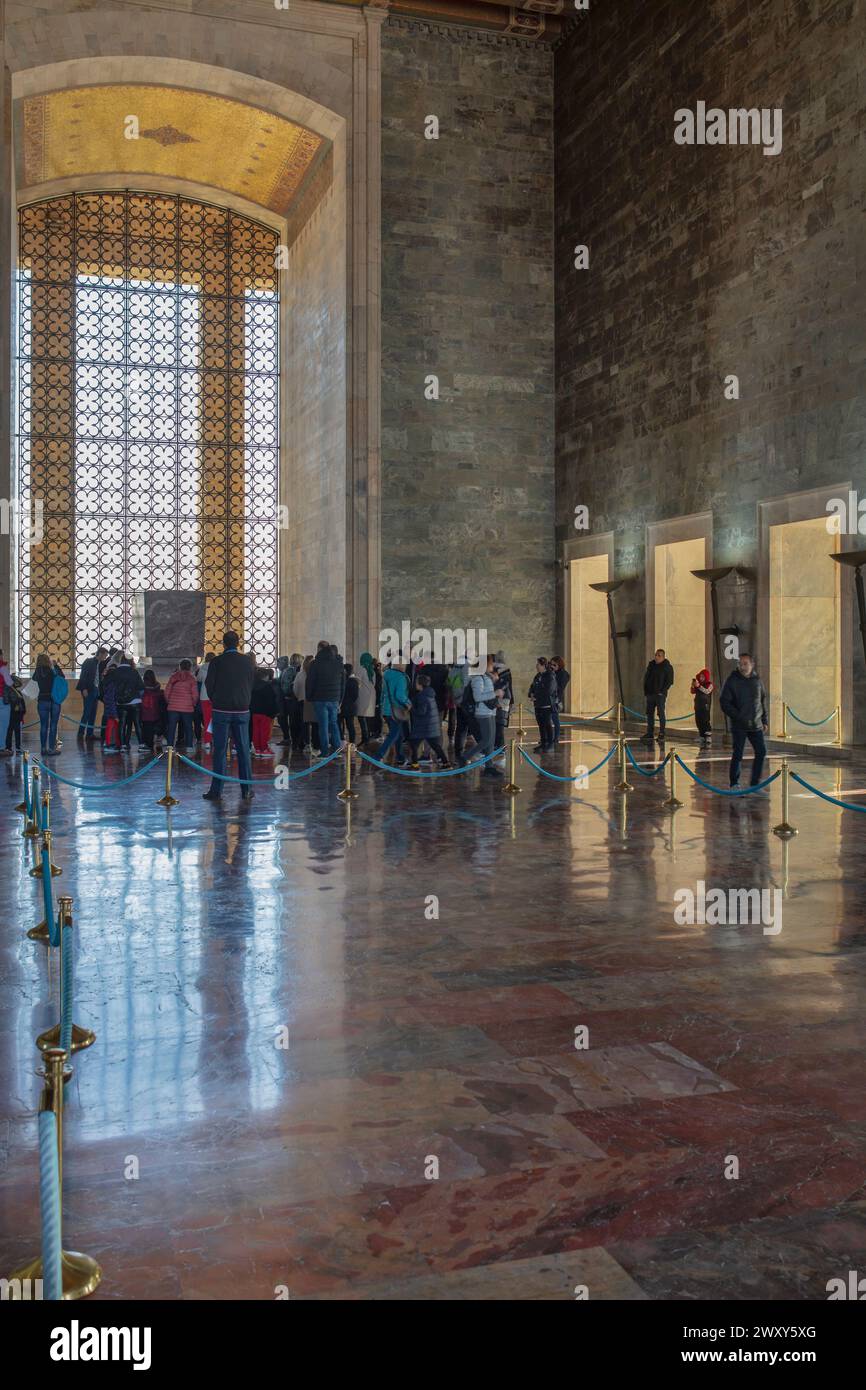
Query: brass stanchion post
point(520, 731)
point(511, 785)
point(81, 1037)
point(56, 871)
point(24, 806)
point(347, 794)
point(167, 799)
point(784, 829)
point(31, 829)
point(619, 718)
point(41, 932)
point(622, 785)
point(81, 1273)
point(784, 733)
point(673, 802)
point(838, 713)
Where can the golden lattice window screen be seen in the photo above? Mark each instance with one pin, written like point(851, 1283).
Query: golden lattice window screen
point(147, 418)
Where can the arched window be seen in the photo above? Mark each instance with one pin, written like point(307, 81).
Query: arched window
point(147, 419)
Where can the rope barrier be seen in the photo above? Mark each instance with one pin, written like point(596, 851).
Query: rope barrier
point(49, 1207)
point(642, 770)
point(588, 717)
point(812, 723)
point(670, 719)
point(100, 786)
point(51, 922)
point(727, 791)
point(66, 988)
point(834, 800)
point(257, 781)
point(554, 777)
point(445, 772)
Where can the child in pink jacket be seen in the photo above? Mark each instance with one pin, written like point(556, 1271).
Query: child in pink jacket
point(181, 698)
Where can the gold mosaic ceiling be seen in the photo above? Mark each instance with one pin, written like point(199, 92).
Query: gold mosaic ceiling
point(210, 140)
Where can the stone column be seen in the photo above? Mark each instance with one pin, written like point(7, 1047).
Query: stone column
point(7, 282)
point(364, 549)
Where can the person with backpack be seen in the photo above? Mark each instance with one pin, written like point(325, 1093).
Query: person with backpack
point(396, 708)
point(53, 690)
point(17, 707)
point(479, 704)
point(152, 709)
point(128, 687)
point(264, 706)
point(543, 693)
point(464, 723)
point(504, 697)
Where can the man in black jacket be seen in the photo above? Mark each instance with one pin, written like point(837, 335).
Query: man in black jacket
point(88, 684)
point(325, 688)
point(744, 701)
point(229, 685)
point(657, 682)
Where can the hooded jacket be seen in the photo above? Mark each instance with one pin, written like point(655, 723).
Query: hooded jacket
point(181, 692)
point(366, 703)
point(425, 715)
point(744, 701)
point(128, 684)
point(326, 679)
point(395, 690)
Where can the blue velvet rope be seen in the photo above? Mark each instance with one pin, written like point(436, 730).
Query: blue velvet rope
point(49, 1207)
point(446, 772)
point(811, 723)
point(258, 781)
point(98, 786)
point(25, 772)
point(588, 717)
point(727, 791)
point(66, 995)
point(834, 800)
point(669, 719)
point(642, 770)
point(48, 899)
point(555, 777)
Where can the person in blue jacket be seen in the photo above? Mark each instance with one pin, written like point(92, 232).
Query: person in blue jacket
point(396, 708)
point(426, 724)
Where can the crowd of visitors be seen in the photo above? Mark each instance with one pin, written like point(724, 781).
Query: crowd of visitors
point(407, 710)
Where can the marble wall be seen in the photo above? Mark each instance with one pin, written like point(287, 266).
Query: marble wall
point(467, 296)
point(707, 262)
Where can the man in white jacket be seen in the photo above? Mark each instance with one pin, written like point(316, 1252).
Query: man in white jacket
point(483, 696)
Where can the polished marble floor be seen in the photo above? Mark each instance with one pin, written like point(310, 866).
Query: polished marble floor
point(209, 936)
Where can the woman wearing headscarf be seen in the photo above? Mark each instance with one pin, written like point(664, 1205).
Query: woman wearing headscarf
point(365, 706)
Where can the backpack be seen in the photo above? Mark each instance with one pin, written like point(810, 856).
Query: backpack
point(287, 680)
point(469, 704)
point(59, 689)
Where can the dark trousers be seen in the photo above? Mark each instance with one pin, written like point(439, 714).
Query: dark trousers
point(149, 728)
point(182, 717)
point(554, 719)
point(130, 718)
point(544, 720)
point(465, 724)
point(501, 726)
point(13, 733)
point(703, 717)
point(655, 704)
point(237, 726)
point(350, 726)
point(434, 744)
point(758, 742)
point(90, 702)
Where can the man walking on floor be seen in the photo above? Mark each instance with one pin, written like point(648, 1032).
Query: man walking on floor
point(229, 685)
point(657, 682)
point(744, 701)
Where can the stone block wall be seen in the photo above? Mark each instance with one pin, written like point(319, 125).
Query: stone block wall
point(467, 296)
point(707, 261)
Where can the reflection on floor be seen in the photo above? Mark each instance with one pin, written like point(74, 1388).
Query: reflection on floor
point(413, 1038)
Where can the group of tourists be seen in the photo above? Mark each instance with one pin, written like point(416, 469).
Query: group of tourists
point(320, 702)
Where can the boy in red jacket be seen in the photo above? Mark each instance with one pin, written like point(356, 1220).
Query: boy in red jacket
point(702, 689)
